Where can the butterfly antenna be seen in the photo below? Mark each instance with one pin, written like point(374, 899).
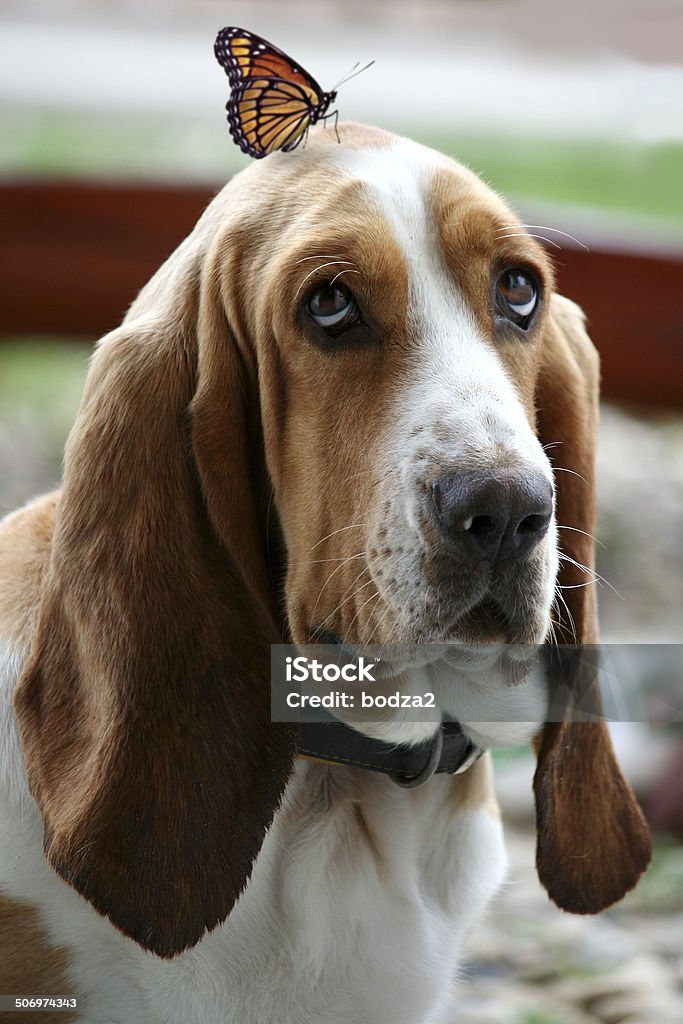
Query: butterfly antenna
point(351, 74)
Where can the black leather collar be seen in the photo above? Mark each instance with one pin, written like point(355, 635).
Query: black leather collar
point(450, 751)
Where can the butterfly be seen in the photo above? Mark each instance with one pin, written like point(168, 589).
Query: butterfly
point(273, 101)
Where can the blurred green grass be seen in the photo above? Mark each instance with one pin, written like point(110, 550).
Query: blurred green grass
point(660, 891)
point(619, 177)
point(42, 376)
point(36, 370)
point(40, 386)
point(626, 177)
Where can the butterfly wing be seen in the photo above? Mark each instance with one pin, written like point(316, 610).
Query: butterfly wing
point(267, 114)
point(244, 55)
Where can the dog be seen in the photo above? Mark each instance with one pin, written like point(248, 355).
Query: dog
point(350, 407)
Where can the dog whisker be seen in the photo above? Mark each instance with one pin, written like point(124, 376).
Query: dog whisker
point(348, 271)
point(327, 581)
point(558, 231)
point(386, 597)
point(562, 469)
point(572, 625)
point(575, 529)
point(530, 234)
point(330, 263)
point(531, 228)
point(376, 596)
point(352, 526)
point(345, 600)
point(320, 561)
point(597, 578)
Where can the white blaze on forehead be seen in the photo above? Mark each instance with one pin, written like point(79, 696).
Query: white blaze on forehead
point(454, 362)
point(398, 177)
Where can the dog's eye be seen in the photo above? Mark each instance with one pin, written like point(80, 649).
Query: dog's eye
point(332, 307)
point(517, 296)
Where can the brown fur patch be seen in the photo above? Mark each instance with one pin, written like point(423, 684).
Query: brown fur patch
point(25, 539)
point(474, 788)
point(30, 964)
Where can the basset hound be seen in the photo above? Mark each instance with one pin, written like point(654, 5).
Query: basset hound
point(351, 405)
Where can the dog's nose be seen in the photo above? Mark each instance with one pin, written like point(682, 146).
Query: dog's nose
point(493, 516)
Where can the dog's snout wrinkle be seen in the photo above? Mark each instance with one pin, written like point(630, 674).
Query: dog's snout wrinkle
point(492, 516)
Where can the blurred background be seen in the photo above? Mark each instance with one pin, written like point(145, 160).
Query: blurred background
point(114, 138)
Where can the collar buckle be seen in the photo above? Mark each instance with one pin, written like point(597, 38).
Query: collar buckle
point(432, 763)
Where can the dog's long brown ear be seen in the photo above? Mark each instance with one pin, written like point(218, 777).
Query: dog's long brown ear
point(593, 843)
point(144, 706)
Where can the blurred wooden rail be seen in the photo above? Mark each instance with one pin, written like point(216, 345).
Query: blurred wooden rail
point(73, 255)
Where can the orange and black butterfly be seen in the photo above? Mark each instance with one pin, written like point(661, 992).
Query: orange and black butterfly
point(273, 101)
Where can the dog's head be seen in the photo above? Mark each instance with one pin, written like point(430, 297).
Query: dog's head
point(329, 414)
point(410, 312)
